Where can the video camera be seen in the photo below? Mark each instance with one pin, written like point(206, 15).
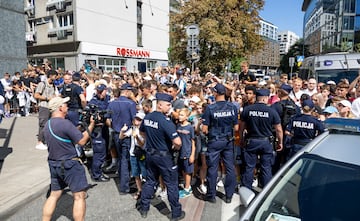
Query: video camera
point(92, 110)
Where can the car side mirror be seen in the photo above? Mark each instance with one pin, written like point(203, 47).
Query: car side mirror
point(246, 196)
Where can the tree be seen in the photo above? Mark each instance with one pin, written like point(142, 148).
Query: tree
point(297, 49)
point(228, 30)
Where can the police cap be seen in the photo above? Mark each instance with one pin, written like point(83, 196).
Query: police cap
point(308, 103)
point(164, 97)
point(286, 88)
point(263, 92)
point(219, 88)
point(76, 76)
point(126, 86)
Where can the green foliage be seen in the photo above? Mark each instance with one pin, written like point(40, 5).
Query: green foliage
point(228, 30)
point(296, 50)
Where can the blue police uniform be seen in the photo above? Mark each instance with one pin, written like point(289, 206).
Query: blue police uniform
point(73, 91)
point(123, 111)
point(220, 117)
point(304, 128)
point(259, 120)
point(160, 131)
point(99, 138)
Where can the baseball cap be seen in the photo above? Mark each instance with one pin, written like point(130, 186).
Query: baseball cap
point(101, 87)
point(263, 92)
point(179, 72)
point(126, 86)
point(331, 82)
point(308, 103)
point(140, 115)
point(219, 88)
point(56, 102)
point(330, 110)
point(164, 97)
point(345, 103)
point(195, 99)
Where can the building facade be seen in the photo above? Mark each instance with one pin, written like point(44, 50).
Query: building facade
point(268, 58)
point(332, 25)
point(12, 43)
point(113, 35)
point(286, 40)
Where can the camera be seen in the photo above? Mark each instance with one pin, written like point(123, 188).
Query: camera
point(92, 110)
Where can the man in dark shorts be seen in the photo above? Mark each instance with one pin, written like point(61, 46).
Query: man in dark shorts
point(66, 168)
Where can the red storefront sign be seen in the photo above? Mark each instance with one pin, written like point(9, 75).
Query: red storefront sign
point(128, 52)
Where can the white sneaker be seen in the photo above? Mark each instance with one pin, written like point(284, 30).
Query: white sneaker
point(41, 146)
point(163, 194)
point(255, 182)
point(202, 189)
point(220, 183)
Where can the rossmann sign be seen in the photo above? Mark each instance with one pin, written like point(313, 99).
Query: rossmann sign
point(128, 52)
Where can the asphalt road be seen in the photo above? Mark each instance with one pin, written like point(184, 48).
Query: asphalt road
point(105, 203)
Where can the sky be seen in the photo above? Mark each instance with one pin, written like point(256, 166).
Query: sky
point(285, 14)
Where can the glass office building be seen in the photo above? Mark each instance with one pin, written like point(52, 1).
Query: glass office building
point(332, 25)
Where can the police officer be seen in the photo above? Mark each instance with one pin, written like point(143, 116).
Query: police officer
point(122, 111)
point(303, 128)
point(220, 121)
point(100, 135)
point(286, 108)
point(75, 92)
point(161, 140)
point(259, 119)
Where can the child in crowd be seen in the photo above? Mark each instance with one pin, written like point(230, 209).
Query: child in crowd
point(203, 148)
point(137, 153)
point(187, 151)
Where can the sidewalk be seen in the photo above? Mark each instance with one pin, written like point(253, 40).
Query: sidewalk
point(24, 173)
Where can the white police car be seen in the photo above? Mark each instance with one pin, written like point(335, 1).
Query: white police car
point(321, 182)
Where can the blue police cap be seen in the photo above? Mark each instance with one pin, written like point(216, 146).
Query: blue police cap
point(163, 97)
point(219, 88)
point(263, 92)
point(286, 88)
point(126, 86)
point(101, 87)
point(308, 103)
point(76, 76)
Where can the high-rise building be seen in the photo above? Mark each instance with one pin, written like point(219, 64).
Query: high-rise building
point(286, 39)
point(268, 58)
point(332, 25)
point(268, 30)
point(113, 35)
point(12, 37)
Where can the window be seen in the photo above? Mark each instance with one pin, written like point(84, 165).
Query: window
point(112, 64)
point(65, 20)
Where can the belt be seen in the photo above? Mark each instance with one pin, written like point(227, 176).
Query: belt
point(162, 153)
point(258, 138)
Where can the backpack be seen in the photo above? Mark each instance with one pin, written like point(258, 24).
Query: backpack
point(288, 111)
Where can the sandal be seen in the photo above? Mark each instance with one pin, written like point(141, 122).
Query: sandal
point(137, 195)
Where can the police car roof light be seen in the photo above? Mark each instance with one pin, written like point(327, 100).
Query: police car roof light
point(343, 124)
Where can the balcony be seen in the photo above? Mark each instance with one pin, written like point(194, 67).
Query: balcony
point(59, 5)
point(61, 32)
point(30, 10)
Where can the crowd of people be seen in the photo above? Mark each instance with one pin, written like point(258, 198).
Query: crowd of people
point(172, 124)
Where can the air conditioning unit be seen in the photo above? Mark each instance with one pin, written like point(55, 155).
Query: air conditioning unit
point(60, 6)
point(61, 34)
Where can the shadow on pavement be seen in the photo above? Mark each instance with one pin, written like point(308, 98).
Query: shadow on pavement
point(5, 150)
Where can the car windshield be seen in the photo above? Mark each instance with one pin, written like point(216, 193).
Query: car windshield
point(313, 188)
